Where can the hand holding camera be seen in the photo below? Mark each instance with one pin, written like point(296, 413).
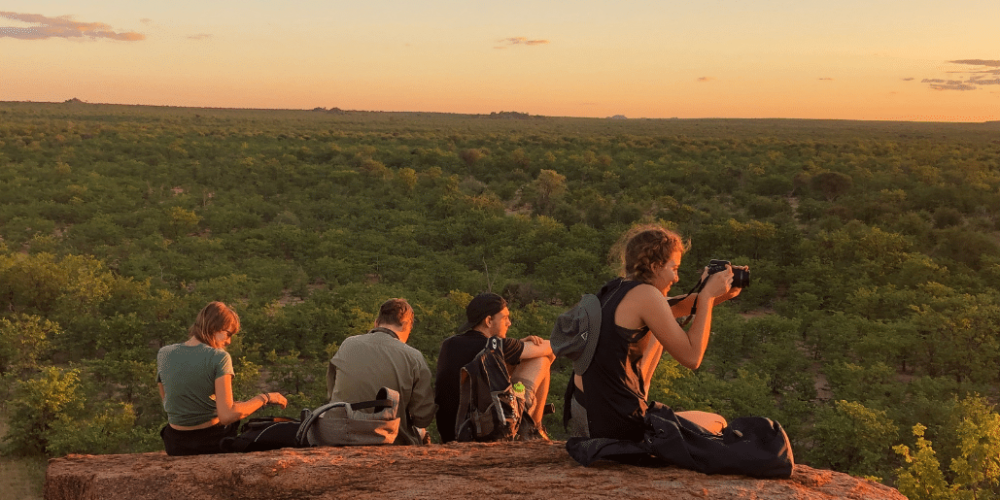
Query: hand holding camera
point(739, 276)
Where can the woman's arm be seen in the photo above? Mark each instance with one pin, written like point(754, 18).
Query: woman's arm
point(646, 305)
point(233, 411)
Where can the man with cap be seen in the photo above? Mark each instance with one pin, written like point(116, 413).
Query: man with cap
point(380, 358)
point(488, 316)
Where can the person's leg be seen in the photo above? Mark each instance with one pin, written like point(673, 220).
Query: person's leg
point(534, 374)
point(196, 442)
point(578, 422)
point(710, 421)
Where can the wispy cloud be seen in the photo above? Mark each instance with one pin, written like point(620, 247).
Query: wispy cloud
point(519, 40)
point(705, 78)
point(978, 62)
point(939, 84)
point(826, 79)
point(977, 72)
point(908, 79)
point(61, 27)
point(200, 36)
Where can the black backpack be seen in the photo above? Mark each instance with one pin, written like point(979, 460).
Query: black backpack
point(488, 407)
point(264, 433)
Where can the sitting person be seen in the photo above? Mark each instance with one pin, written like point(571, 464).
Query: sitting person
point(195, 380)
point(609, 399)
point(380, 358)
point(530, 357)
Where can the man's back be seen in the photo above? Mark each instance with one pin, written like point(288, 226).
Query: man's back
point(366, 363)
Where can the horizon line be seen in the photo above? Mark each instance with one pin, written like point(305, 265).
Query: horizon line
point(74, 100)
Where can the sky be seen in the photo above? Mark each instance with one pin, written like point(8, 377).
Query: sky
point(913, 60)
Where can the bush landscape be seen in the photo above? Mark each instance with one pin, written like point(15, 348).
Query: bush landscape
point(871, 330)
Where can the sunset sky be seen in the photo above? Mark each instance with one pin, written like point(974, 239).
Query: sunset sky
point(853, 59)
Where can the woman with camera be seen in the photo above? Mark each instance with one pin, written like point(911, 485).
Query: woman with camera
point(638, 324)
point(196, 386)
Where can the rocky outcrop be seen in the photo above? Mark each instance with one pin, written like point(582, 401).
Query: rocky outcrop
point(438, 472)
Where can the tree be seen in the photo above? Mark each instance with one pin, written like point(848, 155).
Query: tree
point(853, 439)
point(831, 184)
point(37, 404)
point(24, 339)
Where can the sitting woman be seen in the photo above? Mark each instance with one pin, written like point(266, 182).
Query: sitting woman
point(638, 323)
point(196, 386)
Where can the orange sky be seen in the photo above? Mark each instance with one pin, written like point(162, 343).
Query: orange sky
point(870, 60)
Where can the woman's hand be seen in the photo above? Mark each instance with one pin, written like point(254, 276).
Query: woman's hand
point(718, 284)
point(275, 398)
point(733, 291)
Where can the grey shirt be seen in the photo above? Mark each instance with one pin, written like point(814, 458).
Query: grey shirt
point(188, 376)
point(366, 363)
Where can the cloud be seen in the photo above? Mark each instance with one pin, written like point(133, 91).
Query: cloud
point(61, 27)
point(939, 84)
point(979, 81)
point(978, 62)
point(200, 36)
point(826, 79)
point(705, 78)
point(908, 79)
point(977, 72)
point(146, 20)
point(520, 40)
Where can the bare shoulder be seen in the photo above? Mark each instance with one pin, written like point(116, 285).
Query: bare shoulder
point(642, 294)
point(637, 302)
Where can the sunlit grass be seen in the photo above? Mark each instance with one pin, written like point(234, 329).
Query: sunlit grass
point(20, 478)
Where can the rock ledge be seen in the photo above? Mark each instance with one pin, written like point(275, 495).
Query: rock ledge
point(438, 472)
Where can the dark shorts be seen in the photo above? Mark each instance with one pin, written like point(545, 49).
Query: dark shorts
point(196, 442)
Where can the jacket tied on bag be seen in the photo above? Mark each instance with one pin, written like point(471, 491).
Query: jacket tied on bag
point(751, 446)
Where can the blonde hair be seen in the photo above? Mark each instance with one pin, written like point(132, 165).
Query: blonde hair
point(644, 247)
point(213, 318)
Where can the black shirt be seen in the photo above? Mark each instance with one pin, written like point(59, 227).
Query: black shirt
point(456, 352)
point(613, 386)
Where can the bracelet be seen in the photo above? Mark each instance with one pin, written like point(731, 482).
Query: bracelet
point(267, 398)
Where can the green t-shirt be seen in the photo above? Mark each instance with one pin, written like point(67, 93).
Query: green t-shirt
point(188, 375)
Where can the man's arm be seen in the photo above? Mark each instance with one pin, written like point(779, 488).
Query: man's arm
point(331, 379)
point(422, 408)
point(536, 347)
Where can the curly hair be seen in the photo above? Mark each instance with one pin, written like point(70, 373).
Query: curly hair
point(212, 319)
point(644, 247)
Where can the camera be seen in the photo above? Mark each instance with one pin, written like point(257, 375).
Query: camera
point(741, 277)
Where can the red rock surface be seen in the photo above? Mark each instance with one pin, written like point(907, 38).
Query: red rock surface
point(438, 472)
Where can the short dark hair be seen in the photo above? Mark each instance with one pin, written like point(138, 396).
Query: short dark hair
point(481, 307)
point(393, 312)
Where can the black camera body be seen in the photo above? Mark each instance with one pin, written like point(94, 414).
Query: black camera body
point(741, 277)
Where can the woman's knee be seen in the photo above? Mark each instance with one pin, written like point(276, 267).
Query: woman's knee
point(710, 421)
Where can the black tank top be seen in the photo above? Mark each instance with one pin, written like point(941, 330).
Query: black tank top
point(614, 390)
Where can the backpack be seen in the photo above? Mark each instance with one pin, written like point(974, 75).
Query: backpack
point(333, 424)
point(262, 434)
point(488, 407)
point(752, 446)
point(339, 424)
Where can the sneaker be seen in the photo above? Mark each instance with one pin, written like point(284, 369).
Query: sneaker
point(531, 432)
